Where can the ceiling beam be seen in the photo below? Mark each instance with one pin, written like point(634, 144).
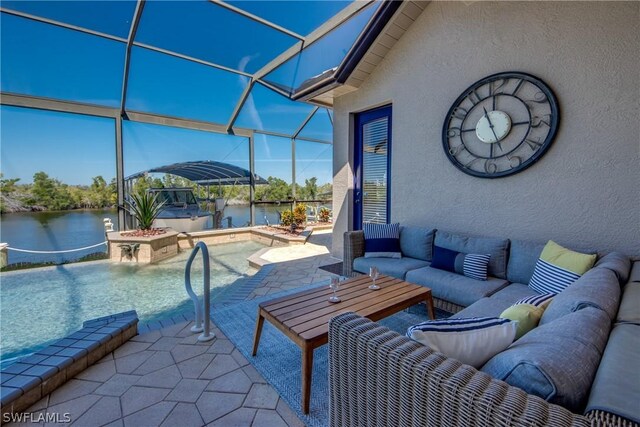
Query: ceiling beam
point(304, 123)
point(190, 58)
point(334, 22)
point(239, 105)
point(257, 19)
point(62, 24)
point(38, 103)
point(127, 56)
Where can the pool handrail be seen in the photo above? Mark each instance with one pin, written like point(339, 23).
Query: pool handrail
point(202, 324)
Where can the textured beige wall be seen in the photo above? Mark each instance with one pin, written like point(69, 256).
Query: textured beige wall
point(583, 193)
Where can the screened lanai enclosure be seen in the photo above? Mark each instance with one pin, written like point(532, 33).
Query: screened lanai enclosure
point(96, 91)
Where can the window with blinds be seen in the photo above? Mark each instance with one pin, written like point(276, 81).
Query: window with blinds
point(375, 157)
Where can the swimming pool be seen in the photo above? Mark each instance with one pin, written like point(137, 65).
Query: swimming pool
point(39, 306)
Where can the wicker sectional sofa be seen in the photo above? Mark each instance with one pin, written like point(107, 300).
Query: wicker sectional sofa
point(588, 339)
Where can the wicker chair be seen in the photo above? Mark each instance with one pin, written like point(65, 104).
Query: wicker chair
point(380, 378)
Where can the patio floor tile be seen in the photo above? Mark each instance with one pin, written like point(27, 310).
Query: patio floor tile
point(128, 364)
point(268, 418)
point(117, 385)
point(221, 364)
point(71, 390)
point(130, 347)
point(99, 372)
point(187, 390)
point(192, 368)
point(183, 352)
point(106, 410)
point(233, 382)
point(262, 396)
point(151, 416)
point(242, 417)
point(137, 398)
point(183, 415)
point(167, 377)
point(159, 360)
point(213, 405)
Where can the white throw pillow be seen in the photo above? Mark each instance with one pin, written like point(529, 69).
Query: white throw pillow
point(472, 341)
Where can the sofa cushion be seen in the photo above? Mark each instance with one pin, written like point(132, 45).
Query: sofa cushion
point(598, 288)
point(497, 248)
point(382, 240)
point(513, 292)
point(453, 287)
point(473, 266)
point(558, 267)
point(629, 311)
point(634, 276)
point(616, 387)
point(417, 242)
point(484, 307)
point(619, 263)
point(556, 361)
point(390, 266)
point(523, 256)
point(472, 341)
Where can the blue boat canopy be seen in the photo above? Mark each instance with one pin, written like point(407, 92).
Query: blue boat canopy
point(205, 172)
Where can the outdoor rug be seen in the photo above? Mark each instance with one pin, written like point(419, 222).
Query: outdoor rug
point(279, 359)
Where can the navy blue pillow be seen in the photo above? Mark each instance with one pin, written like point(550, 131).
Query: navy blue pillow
point(473, 266)
point(382, 240)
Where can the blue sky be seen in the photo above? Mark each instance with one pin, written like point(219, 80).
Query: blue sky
point(43, 60)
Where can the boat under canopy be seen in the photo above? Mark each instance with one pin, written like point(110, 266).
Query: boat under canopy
point(206, 172)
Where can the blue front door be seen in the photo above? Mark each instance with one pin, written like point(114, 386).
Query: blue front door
point(372, 166)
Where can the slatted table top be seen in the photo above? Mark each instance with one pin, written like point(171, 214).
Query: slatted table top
point(304, 316)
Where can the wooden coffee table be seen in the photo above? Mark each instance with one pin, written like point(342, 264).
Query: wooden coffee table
point(304, 316)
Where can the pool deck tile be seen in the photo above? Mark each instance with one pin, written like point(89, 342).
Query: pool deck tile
point(57, 360)
point(164, 376)
point(41, 371)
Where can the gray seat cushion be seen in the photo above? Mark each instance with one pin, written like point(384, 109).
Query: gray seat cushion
point(629, 311)
point(417, 242)
point(485, 307)
point(598, 288)
point(395, 267)
point(619, 263)
point(497, 248)
point(556, 361)
point(454, 287)
point(523, 256)
point(634, 276)
point(513, 292)
point(617, 384)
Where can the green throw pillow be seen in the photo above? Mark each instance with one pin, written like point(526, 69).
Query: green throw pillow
point(565, 258)
point(527, 316)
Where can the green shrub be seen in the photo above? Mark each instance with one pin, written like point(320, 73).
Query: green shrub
point(145, 208)
point(300, 214)
point(286, 218)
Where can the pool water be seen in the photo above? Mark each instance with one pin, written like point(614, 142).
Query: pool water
point(39, 306)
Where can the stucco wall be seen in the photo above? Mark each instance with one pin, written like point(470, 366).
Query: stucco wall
point(584, 192)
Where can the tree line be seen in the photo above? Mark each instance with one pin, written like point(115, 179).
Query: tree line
point(46, 193)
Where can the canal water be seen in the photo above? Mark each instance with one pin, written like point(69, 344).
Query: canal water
point(62, 230)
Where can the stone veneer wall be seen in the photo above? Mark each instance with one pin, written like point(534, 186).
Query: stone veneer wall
point(583, 193)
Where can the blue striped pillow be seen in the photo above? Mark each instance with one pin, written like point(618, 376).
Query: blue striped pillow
point(474, 266)
point(536, 300)
point(549, 278)
point(382, 240)
point(472, 340)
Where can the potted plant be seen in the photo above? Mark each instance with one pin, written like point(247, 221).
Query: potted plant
point(145, 208)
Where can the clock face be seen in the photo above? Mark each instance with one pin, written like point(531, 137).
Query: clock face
point(500, 125)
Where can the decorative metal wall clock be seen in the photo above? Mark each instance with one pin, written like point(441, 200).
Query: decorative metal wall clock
point(500, 125)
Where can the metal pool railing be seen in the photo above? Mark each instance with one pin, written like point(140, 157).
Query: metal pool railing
point(202, 323)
